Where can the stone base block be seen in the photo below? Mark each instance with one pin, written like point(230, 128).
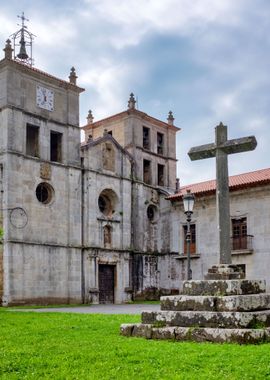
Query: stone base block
point(225, 272)
point(199, 334)
point(257, 319)
point(240, 336)
point(223, 287)
point(136, 329)
point(248, 302)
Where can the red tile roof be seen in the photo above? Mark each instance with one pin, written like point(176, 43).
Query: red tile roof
point(236, 182)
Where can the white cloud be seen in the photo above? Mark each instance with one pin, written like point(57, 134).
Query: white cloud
point(106, 88)
point(133, 19)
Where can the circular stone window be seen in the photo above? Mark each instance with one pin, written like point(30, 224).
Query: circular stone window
point(44, 193)
point(104, 204)
point(107, 201)
point(151, 212)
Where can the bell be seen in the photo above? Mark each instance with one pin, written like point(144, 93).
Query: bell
point(22, 54)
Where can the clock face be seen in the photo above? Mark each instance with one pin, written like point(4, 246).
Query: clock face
point(45, 98)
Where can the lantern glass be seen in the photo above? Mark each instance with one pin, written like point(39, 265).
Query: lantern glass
point(188, 200)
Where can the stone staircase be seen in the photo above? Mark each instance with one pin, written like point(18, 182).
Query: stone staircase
point(236, 310)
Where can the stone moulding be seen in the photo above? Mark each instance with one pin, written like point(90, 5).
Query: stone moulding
point(232, 311)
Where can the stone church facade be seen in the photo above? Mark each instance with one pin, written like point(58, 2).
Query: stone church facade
point(83, 223)
point(97, 222)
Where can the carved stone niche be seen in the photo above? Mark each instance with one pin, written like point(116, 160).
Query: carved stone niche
point(45, 171)
point(108, 157)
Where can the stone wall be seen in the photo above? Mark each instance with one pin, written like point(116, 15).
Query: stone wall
point(38, 274)
point(251, 203)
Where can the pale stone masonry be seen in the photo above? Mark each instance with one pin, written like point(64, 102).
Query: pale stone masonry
point(81, 223)
point(234, 311)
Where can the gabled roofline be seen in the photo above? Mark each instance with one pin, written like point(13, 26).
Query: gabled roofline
point(135, 112)
point(102, 139)
point(36, 72)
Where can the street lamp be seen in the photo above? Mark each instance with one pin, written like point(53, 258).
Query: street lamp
point(188, 200)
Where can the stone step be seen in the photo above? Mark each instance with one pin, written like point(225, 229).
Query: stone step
point(247, 302)
point(223, 287)
point(197, 334)
point(256, 319)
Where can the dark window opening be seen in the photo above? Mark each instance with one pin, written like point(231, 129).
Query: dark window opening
point(146, 138)
point(110, 133)
point(44, 193)
point(160, 143)
point(147, 171)
point(239, 233)
point(192, 239)
point(32, 140)
point(105, 205)
point(151, 212)
point(160, 175)
point(56, 146)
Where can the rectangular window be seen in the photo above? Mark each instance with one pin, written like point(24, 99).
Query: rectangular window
point(56, 146)
point(160, 175)
point(192, 239)
point(110, 133)
point(146, 138)
point(239, 233)
point(32, 140)
point(160, 143)
point(147, 171)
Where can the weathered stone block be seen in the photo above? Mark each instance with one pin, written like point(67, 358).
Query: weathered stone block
point(258, 319)
point(142, 330)
point(223, 287)
point(249, 302)
point(225, 272)
point(126, 329)
point(240, 336)
point(246, 302)
point(183, 302)
point(163, 333)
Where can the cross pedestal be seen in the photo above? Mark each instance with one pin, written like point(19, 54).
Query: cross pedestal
point(220, 149)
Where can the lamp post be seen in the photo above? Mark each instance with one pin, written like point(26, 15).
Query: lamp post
point(188, 200)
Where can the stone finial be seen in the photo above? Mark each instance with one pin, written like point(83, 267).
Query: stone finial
point(131, 102)
point(90, 138)
point(90, 117)
point(105, 132)
point(177, 185)
point(72, 76)
point(8, 50)
point(170, 118)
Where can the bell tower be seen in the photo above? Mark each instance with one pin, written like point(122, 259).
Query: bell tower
point(23, 43)
point(40, 179)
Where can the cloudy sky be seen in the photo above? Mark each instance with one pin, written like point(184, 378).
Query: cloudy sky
point(206, 60)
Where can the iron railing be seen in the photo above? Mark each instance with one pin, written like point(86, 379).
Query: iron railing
point(242, 242)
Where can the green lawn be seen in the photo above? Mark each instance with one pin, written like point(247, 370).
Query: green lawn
point(80, 346)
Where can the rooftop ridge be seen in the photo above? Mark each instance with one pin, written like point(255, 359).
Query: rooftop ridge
point(247, 179)
point(38, 71)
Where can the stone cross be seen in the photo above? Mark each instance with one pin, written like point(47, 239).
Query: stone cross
point(220, 149)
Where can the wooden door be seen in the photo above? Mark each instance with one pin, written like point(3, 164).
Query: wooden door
point(106, 283)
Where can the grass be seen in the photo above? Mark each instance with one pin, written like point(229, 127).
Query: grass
point(80, 346)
